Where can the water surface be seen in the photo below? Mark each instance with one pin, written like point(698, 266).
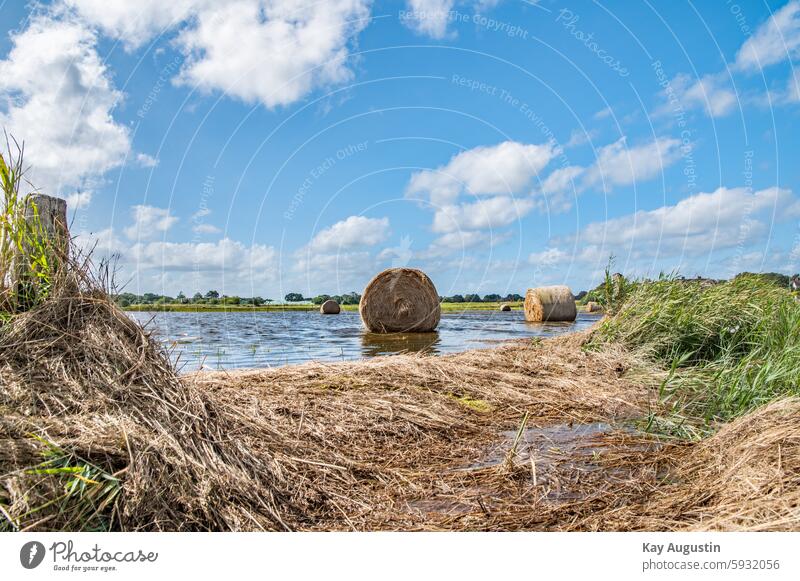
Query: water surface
point(221, 340)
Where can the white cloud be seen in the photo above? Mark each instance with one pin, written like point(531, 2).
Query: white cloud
point(562, 179)
point(353, 232)
point(79, 200)
point(712, 93)
point(603, 114)
point(149, 222)
point(462, 240)
point(694, 227)
point(500, 169)
point(135, 23)
point(145, 160)
point(484, 214)
point(787, 95)
point(549, 257)
point(206, 229)
point(792, 94)
point(56, 95)
point(429, 17)
point(223, 255)
point(618, 164)
point(270, 52)
point(400, 255)
point(334, 272)
point(776, 40)
point(720, 219)
point(227, 265)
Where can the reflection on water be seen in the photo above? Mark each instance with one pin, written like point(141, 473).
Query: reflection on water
point(267, 339)
point(394, 343)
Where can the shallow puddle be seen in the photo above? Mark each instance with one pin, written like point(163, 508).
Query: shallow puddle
point(558, 457)
point(544, 445)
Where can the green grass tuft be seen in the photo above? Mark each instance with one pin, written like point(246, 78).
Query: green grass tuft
point(729, 347)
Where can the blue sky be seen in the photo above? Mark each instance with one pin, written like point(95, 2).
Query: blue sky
point(273, 146)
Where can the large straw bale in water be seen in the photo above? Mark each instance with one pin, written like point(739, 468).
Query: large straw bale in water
point(329, 307)
point(550, 303)
point(400, 300)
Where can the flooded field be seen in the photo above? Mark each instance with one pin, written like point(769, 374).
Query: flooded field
point(268, 339)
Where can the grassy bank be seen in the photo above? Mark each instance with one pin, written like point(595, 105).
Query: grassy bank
point(728, 347)
point(201, 308)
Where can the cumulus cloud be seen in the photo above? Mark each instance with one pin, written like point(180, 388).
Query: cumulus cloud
point(461, 241)
point(429, 17)
point(694, 227)
point(57, 96)
point(559, 188)
point(711, 93)
point(494, 170)
point(135, 23)
point(489, 213)
point(205, 229)
point(616, 164)
point(194, 265)
point(720, 219)
point(145, 160)
point(149, 222)
point(270, 52)
point(353, 232)
point(220, 256)
point(776, 40)
point(79, 200)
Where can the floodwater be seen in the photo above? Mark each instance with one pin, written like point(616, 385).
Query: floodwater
point(267, 339)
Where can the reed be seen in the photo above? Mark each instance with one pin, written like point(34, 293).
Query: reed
point(729, 347)
point(27, 261)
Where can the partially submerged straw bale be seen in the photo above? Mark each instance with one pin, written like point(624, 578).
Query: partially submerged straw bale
point(550, 303)
point(329, 307)
point(505, 307)
point(400, 300)
point(593, 307)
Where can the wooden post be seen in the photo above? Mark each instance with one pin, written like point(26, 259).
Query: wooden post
point(46, 219)
point(52, 220)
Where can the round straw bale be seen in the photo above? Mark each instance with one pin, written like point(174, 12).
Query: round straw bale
point(593, 307)
point(329, 307)
point(400, 300)
point(550, 303)
point(505, 307)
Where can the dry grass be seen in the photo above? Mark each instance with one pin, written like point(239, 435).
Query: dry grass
point(483, 440)
point(744, 478)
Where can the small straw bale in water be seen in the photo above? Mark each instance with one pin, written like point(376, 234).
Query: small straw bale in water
point(505, 307)
point(329, 307)
point(593, 307)
point(400, 300)
point(550, 303)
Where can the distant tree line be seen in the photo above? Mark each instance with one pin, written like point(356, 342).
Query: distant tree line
point(212, 297)
point(352, 298)
point(475, 298)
